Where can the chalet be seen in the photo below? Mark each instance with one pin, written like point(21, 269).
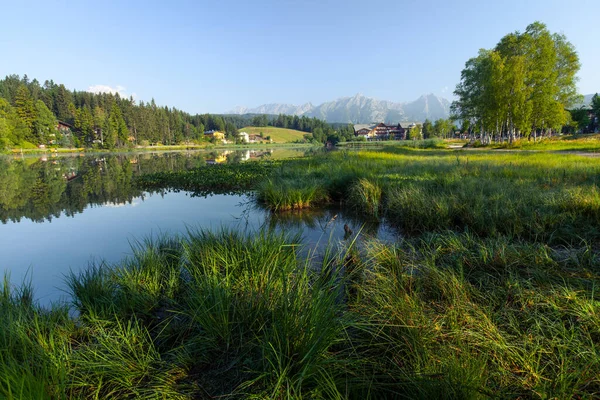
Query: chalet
point(214, 134)
point(64, 128)
point(382, 131)
point(243, 137)
point(255, 138)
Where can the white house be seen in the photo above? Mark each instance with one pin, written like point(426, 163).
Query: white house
point(243, 136)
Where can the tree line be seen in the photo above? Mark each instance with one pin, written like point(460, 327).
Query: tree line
point(441, 128)
point(319, 130)
point(522, 88)
point(585, 119)
point(30, 112)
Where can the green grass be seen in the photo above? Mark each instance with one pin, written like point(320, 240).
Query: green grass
point(491, 292)
point(581, 143)
point(278, 135)
point(210, 179)
point(243, 315)
point(533, 196)
point(434, 143)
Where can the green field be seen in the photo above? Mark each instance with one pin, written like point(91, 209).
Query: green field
point(278, 135)
point(580, 143)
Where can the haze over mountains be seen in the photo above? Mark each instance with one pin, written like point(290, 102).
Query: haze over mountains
point(360, 109)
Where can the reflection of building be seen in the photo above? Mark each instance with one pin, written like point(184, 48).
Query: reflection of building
point(219, 158)
point(382, 131)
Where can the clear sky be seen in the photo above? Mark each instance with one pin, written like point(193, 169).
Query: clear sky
point(209, 56)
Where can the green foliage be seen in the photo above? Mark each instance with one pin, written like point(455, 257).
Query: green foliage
point(220, 178)
point(581, 119)
point(44, 126)
point(596, 111)
point(596, 104)
point(25, 109)
point(521, 87)
point(443, 128)
point(13, 130)
point(107, 120)
point(427, 129)
point(291, 194)
point(415, 133)
point(365, 197)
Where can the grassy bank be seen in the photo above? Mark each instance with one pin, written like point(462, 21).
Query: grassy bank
point(226, 314)
point(531, 196)
point(583, 143)
point(415, 144)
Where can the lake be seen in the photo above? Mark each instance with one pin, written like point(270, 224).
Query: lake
point(62, 213)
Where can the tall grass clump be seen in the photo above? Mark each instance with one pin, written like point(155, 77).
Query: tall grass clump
point(227, 311)
point(453, 315)
point(254, 305)
point(120, 360)
point(285, 195)
point(34, 346)
point(365, 197)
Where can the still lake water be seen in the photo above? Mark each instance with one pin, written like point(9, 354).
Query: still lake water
point(61, 214)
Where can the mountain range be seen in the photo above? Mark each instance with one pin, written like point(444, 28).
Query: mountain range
point(360, 109)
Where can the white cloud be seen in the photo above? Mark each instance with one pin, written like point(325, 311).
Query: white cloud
point(109, 89)
point(110, 204)
point(445, 90)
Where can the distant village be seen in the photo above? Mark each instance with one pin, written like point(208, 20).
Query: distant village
point(242, 137)
point(374, 131)
point(382, 131)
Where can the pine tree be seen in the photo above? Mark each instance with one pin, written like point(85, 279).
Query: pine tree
point(25, 109)
point(44, 125)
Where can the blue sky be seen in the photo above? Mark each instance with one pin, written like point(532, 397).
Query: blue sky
point(209, 56)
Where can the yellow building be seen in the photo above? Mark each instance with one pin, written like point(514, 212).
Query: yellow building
point(214, 134)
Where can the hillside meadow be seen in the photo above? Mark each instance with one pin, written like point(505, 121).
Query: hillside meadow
point(491, 292)
point(278, 135)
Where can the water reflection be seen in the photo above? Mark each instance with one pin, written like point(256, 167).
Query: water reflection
point(46, 187)
point(109, 212)
point(329, 224)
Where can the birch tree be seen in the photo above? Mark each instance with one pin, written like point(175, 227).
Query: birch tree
point(521, 87)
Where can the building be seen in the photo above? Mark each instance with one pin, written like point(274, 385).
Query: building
point(64, 128)
point(382, 131)
point(214, 135)
point(255, 138)
point(243, 137)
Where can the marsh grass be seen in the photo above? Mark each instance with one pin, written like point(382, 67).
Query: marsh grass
point(365, 197)
point(584, 143)
point(533, 196)
point(242, 314)
point(491, 293)
point(287, 194)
